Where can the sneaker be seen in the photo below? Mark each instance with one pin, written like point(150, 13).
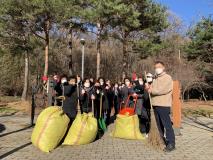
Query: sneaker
point(169, 148)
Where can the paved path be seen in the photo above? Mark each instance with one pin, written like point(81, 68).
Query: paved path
point(196, 143)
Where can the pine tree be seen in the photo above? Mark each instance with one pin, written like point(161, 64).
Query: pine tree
point(137, 16)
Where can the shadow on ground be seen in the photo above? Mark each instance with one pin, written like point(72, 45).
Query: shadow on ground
point(15, 150)
point(19, 130)
point(2, 127)
point(200, 125)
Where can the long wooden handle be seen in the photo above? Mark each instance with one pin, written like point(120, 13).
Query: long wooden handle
point(101, 103)
point(78, 105)
point(93, 106)
point(62, 103)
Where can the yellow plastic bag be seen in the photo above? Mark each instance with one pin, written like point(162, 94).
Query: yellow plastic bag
point(127, 127)
point(50, 128)
point(83, 130)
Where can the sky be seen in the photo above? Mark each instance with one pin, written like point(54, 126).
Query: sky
point(190, 11)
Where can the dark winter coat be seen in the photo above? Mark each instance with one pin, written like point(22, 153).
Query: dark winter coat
point(71, 100)
point(98, 93)
point(139, 90)
point(105, 100)
point(110, 97)
point(57, 88)
point(85, 99)
point(116, 99)
point(125, 92)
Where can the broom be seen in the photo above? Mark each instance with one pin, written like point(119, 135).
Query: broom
point(154, 138)
point(101, 121)
point(78, 104)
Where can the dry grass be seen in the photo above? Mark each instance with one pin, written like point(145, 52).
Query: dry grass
point(6, 110)
point(24, 106)
point(15, 104)
point(7, 99)
point(198, 108)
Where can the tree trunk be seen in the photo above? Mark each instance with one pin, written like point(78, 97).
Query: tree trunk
point(98, 61)
point(70, 56)
point(98, 72)
point(26, 77)
point(125, 56)
point(46, 58)
point(47, 26)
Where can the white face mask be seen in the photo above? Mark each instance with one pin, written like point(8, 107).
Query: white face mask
point(149, 79)
point(97, 91)
point(63, 81)
point(158, 71)
point(87, 85)
point(102, 83)
point(55, 78)
point(141, 82)
point(127, 83)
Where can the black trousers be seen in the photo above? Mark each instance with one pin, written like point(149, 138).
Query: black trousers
point(162, 115)
point(116, 105)
point(97, 109)
point(144, 124)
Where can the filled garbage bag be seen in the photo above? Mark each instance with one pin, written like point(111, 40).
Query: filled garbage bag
point(127, 127)
point(50, 128)
point(83, 130)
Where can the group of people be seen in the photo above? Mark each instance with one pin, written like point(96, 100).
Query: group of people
point(102, 92)
point(90, 94)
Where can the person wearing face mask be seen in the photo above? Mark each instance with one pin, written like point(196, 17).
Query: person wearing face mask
point(161, 95)
point(109, 96)
point(71, 98)
point(64, 80)
point(79, 84)
point(149, 78)
point(79, 80)
point(116, 98)
point(87, 94)
point(140, 108)
point(146, 104)
point(102, 83)
point(97, 90)
point(126, 90)
point(57, 89)
point(92, 81)
point(103, 89)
